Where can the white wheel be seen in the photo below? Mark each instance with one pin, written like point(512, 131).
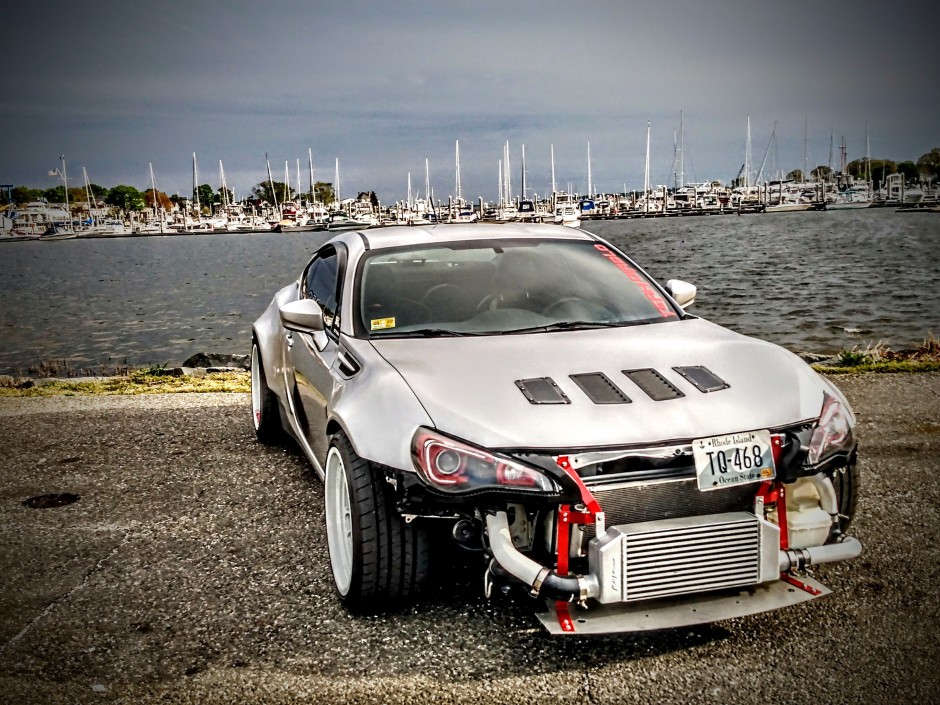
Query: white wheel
point(338, 521)
point(256, 387)
point(376, 558)
point(264, 413)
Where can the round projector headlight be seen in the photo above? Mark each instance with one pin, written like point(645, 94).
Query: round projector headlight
point(447, 462)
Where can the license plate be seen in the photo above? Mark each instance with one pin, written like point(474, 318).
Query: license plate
point(735, 459)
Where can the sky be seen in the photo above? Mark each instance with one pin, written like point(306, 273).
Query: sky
point(382, 86)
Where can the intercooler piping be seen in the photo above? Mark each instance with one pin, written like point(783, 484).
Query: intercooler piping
point(799, 558)
point(542, 581)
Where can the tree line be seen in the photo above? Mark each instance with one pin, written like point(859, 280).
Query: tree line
point(128, 198)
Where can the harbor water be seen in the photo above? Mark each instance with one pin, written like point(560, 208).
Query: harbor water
point(811, 281)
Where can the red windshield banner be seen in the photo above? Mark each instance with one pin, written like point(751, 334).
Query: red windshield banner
point(651, 294)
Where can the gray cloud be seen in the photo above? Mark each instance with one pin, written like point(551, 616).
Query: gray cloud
point(381, 86)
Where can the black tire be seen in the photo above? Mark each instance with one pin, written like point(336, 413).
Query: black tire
point(846, 482)
point(264, 411)
point(377, 559)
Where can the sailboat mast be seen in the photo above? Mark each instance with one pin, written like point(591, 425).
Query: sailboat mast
point(338, 201)
point(682, 152)
point(313, 194)
point(499, 180)
point(646, 172)
point(523, 174)
point(590, 185)
point(286, 181)
point(91, 217)
point(457, 185)
point(156, 199)
point(805, 146)
point(747, 156)
point(196, 185)
point(271, 182)
point(223, 187)
point(427, 181)
point(552, 148)
point(507, 181)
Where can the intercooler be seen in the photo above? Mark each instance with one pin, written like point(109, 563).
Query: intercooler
point(670, 557)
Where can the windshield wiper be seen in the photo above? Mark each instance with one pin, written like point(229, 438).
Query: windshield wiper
point(425, 333)
point(574, 325)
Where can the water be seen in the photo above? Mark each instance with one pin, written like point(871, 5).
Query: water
point(817, 282)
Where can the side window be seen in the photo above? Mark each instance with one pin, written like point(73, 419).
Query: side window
point(321, 283)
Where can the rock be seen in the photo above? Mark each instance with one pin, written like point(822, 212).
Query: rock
point(811, 358)
point(170, 372)
point(25, 383)
point(218, 360)
point(6, 381)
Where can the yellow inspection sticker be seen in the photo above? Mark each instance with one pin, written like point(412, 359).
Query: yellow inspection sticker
point(383, 323)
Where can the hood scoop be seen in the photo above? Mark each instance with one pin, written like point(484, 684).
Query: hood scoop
point(542, 390)
point(657, 387)
point(599, 388)
point(703, 378)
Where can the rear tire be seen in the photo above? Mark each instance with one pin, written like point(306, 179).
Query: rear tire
point(264, 412)
point(377, 559)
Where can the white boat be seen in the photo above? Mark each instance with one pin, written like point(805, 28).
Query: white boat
point(787, 207)
point(850, 199)
point(341, 221)
point(899, 193)
point(37, 217)
point(57, 232)
point(565, 209)
point(109, 227)
point(567, 215)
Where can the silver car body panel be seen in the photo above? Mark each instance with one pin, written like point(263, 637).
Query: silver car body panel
point(468, 385)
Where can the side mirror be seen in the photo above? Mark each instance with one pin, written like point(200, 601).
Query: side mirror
point(303, 316)
point(682, 292)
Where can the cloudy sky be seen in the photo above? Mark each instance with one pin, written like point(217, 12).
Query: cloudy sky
point(383, 85)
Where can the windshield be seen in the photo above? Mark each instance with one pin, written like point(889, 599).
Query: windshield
point(503, 287)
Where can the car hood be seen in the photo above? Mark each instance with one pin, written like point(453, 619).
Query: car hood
point(468, 385)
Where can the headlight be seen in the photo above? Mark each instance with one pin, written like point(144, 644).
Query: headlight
point(833, 431)
point(451, 466)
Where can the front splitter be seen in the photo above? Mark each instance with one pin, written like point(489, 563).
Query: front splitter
point(675, 612)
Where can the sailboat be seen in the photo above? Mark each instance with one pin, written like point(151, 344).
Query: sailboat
point(854, 195)
point(57, 230)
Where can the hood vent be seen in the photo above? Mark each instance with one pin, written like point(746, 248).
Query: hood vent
point(599, 388)
point(542, 390)
point(703, 378)
point(654, 384)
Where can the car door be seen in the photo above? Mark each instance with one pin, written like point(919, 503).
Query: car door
point(313, 356)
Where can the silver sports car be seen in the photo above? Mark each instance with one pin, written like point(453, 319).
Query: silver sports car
point(532, 392)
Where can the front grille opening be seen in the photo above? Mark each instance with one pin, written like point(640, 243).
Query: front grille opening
point(642, 468)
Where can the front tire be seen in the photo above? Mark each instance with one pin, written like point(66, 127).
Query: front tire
point(377, 559)
point(264, 413)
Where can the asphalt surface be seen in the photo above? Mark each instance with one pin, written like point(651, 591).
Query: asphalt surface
point(193, 569)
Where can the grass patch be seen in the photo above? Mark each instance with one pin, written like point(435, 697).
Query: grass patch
point(880, 358)
point(140, 382)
